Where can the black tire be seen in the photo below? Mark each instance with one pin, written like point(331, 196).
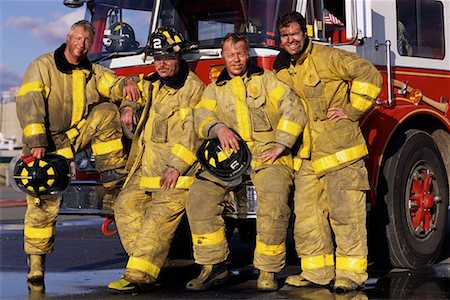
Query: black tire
point(412, 160)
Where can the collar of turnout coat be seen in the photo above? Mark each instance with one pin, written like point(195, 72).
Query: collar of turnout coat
point(64, 66)
point(283, 60)
point(252, 69)
point(176, 81)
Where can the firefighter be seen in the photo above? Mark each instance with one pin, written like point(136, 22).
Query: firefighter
point(337, 88)
point(53, 107)
point(268, 117)
point(162, 161)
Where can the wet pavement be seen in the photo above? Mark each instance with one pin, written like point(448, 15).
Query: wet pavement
point(84, 261)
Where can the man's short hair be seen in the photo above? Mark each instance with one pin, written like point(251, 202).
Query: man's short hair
point(235, 38)
point(292, 17)
point(86, 26)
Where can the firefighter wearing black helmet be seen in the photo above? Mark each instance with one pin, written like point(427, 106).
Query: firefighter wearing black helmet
point(268, 117)
point(59, 109)
point(162, 161)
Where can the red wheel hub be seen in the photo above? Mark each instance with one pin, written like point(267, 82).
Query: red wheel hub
point(422, 201)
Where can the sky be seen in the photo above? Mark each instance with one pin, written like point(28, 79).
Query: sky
point(28, 29)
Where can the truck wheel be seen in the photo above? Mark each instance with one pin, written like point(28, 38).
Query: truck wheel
point(416, 200)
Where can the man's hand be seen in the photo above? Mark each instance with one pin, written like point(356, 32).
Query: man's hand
point(131, 90)
point(335, 114)
point(38, 152)
point(228, 139)
point(272, 154)
point(169, 178)
point(128, 117)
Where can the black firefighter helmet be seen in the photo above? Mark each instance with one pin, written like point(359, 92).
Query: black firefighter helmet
point(226, 166)
point(166, 41)
point(119, 37)
point(37, 177)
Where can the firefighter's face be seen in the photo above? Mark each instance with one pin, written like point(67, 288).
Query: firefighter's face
point(167, 67)
point(79, 43)
point(236, 57)
point(292, 38)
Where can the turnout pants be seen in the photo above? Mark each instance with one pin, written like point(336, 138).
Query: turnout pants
point(147, 222)
point(204, 210)
point(335, 202)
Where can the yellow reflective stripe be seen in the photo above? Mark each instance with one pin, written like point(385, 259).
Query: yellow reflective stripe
point(270, 250)
point(333, 160)
point(209, 104)
point(242, 114)
point(74, 132)
point(203, 124)
point(297, 163)
point(34, 129)
point(184, 154)
point(66, 152)
point(183, 113)
point(208, 239)
point(284, 160)
point(276, 94)
point(143, 265)
point(34, 86)
point(289, 127)
point(317, 262)
point(39, 233)
point(183, 182)
point(78, 94)
point(105, 83)
point(365, 88)
point(351, 264)
point(359, 102)
point(107, 147)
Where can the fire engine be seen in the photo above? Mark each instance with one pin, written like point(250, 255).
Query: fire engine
point(407, 130)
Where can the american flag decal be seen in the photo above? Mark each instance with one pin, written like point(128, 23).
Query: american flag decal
point(331, 19)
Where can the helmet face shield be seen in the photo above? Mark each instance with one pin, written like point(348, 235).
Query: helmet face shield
point(225, 166)
point(37, 177)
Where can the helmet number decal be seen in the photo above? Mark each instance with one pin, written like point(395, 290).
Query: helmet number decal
point(157, 43)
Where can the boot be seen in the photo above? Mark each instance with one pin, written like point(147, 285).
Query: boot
point(36, 265)
point(123, 286)
point(298, 281)
point(211, 275)
point(342, 285)
point(267, 282)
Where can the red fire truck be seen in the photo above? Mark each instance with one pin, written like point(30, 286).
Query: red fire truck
point(407, 130)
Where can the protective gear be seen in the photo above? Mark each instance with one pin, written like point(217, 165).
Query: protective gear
point(119, 37)
point(123, 286)
point(267, 282)
point(146, 215)
point(47, 176)
point(225, 166)
point(36, 265)
point(298, 281)
point(344, 285)
point(167, 41)
point(211, 275)
point(112, 177)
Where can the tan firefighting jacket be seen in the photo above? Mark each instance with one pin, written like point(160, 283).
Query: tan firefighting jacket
point(326, 77)
point(259, 107)
point(55, 96)
point(165, 135)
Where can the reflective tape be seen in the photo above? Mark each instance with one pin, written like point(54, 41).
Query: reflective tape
point(289, 127)
point(209, 104)
point(365, 88)
point(338, 158)
point(105, 83)
point(184, 154)
point(107, 147)
point(143, 265)
point(66, 152)
point(270, 250)
point(276, 94)
point(242, 114)
point(34, 86)
point(208, 239)
point(34, 129)
point(202, 125)
point(78, 94)
point(183, 182)
point(317, 262)
point(351, 264)
point(360, 103)
point(183, 113)
point(39, 233)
